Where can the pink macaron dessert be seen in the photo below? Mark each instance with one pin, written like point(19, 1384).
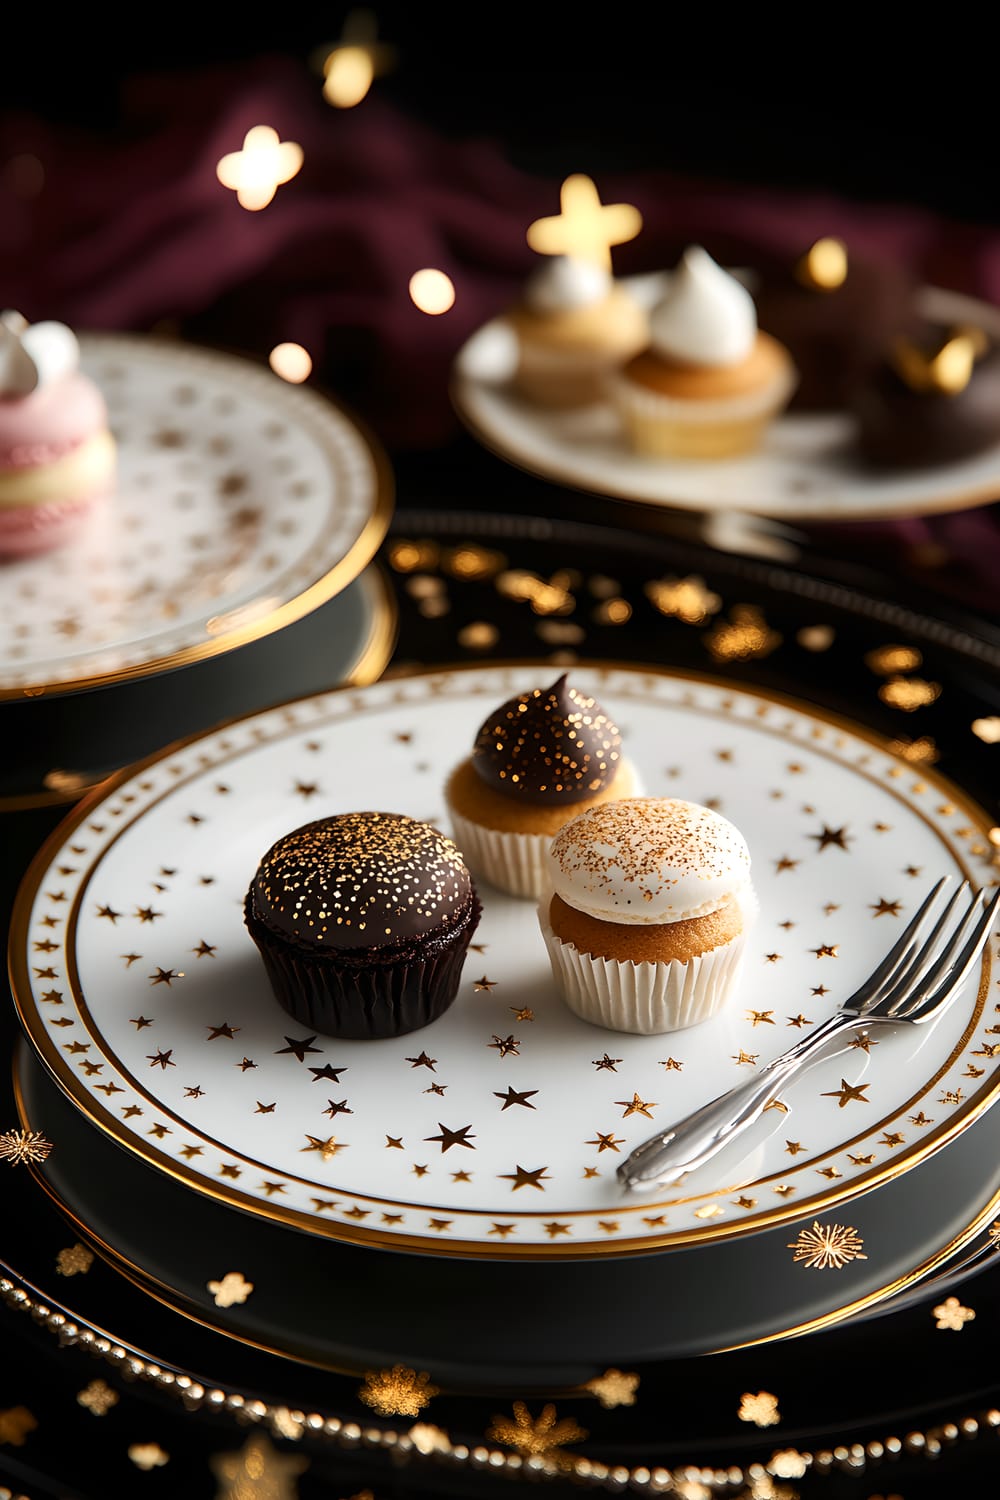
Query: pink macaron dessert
point(57, 454)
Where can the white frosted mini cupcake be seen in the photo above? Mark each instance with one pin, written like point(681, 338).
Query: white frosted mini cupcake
point(647, 918)
point(538, 760)
point(709, 382)
point(573, 326)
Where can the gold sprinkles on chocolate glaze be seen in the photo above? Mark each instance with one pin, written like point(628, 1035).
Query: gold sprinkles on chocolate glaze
point(362, 879)
point(548, 745)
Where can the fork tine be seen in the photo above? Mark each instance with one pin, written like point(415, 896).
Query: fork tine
point(965, 962)
point(899, 954)
point(926, 967)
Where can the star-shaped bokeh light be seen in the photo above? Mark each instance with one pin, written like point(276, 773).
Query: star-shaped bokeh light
point(585, 228)
point(256, 172)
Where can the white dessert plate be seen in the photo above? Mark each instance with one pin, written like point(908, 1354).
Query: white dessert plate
point(242, 504)
point(805, 469)
point(496, 1131)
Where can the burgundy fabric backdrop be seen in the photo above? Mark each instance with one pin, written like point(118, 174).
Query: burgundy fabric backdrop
point(132, 230)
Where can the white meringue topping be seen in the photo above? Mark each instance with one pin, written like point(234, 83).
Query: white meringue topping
point(563, 284)
point(705, 317)
point(648, 860)
point(34, 354)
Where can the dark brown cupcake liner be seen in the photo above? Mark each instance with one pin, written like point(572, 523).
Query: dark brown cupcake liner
point(365, 1000)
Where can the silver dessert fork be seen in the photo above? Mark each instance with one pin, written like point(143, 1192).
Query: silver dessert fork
point(914, 983)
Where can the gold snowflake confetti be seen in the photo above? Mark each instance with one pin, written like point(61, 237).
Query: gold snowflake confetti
point(614, 1388)
point(950, 1314)
point(427, 1438)
point(231, 1289)
point(540, 1436)
point(77, 1260)
point(98, 1398)
point(760, 1409)
point(258, 1471)
point(17, 1146)
point(827, 1246)
point(397, 1392)
point(148, 1456)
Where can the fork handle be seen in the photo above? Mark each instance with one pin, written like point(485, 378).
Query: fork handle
point(694, 1140)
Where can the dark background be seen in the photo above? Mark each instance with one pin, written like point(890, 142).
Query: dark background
point(796, 98)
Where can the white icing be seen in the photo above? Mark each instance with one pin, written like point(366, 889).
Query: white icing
point(705, 317)
point(648, 860)
point(34, 354)
point(563, 284)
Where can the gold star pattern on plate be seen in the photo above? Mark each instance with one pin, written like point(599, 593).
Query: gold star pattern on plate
point(513, 1097)
point(607, 1142)
point(503, 1230)
point(461, 1176)
point(300, 1046)
point(484, 984)
point(204, 950)
point(800, 1020)
point(420, 1171)
point(423, 1061)
point(306, 789)
point(848, 1093)
point(525, 1177)
point(951, 1315)
point(147, 914)
point(784, 863)
point(98, 1398)
point(15, 1424)
point(394, 1141)
point(76, 1260)
point(245, 1064)
point(745, 1202)
point(540, 1436)
point(225, 1030)
point(827, 1246)
point(776, 1104)
point(20, 1146)
point(607, 1062)
point(794, 1147)
point(109, 913)
point(505, 1045)
point(826, 950)
point(257, 1471)
point(921, 1119)
point(522, 1013)
point(669, 1065)
point(130, 959)
point(165, 976)
point(864, 1042)
point(636, 1106)
point(761, 1017)
point(613, 1388)
point(161, 1059)
point(399, 1392)
point(326, 1071)
point(232, 1289)
point(884, 908)
point(449, 1138)
point(436, 1088)
point(951, 1096)
point(760, 1408)
point(831, 838)
point(746, 1057)
point(861, 1161)
point(334, 1108)
point(771, 958)
point(327, 1148)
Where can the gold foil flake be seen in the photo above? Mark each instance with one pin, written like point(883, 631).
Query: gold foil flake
point(827, 1246)
point(760, 1409)
point(258, 1471)
point(909, 693)
point(922, 752)
point(951, 1315)
point(889, 661)
point(233, 1288)
point(613, 1388)
point(537, 1437)
point(19, 1146)
point(987, 730)
point(74, 1261)
point(15, 1424)
point(98, 1398)
point(397, 1392)
point(816, 637)
point(824, 266)
point(478, 635)
point(427, 1438)
point(585, 228)
point(746, 636)
point(148, 1456)
point(687, 599)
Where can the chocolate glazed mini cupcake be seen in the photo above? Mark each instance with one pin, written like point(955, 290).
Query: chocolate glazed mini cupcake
point(538, 760)
point(363, 921)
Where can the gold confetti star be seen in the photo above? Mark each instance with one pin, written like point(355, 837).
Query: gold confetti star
point(585, 228)
point(484, 984)
point(891, 1138)
point(827, 838)
point(299, 1046)
point(224, 1030)
point(864, 1042)
point(245, 1064)
point(109, 913)
point(204, 950)
point(800, 1020)
point(861, 1161)
point(784, 863)
point(423, 1061)
point(326, 1148)
point(669, 1065)
point(848, 1092)
point(326, 1071)
point(794, 1147)
point(522, 1013)
point(883, 908)
point(525, 1177)
point(513, 1097)
point(503, 1230)
point(772, 958)
point(606, 1062)
point(161, 1059)
point(826, 950)
point(760, 1409)
point(921, 1119)
point(233, 1288)
point(820, 989)
point(636, 1106)
point(74, 1261)
point(265, 1109)
point(229, 1169)
point(613, 1388)
point(505, 1044)
point(333, 1109)
point(394, 1142)
point(746, 1057)
point(761, 1017)
point(449, 1138)
point(97, 1397)
point(827, 1246)
point(607, 1142)
point(436, 1088)
point(147, 914)
point(420, 1171)
point(461, 1177)
point(540, 1436)
point(951, 1315)
point(263, 164)
point(140, 1022)
point(397, 1392)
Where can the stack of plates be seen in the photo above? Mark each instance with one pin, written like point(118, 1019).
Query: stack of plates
point(204, 1141)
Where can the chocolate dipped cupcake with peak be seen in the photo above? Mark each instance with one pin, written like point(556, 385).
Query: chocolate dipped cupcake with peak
point(363, 921)
point(538, 760)
point(646, 922)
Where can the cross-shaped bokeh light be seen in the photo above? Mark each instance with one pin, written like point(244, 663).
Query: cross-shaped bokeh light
point(257, 171)
point(585, 228)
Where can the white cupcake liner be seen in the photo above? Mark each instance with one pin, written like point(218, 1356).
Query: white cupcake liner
point(646, 998)
point(513, 862)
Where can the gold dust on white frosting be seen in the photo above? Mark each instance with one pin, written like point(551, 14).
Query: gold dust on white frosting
point(384, 877)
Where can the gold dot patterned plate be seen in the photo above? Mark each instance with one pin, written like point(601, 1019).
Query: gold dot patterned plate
point(496, 1131)
point(805, 468)
point(242, 503)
